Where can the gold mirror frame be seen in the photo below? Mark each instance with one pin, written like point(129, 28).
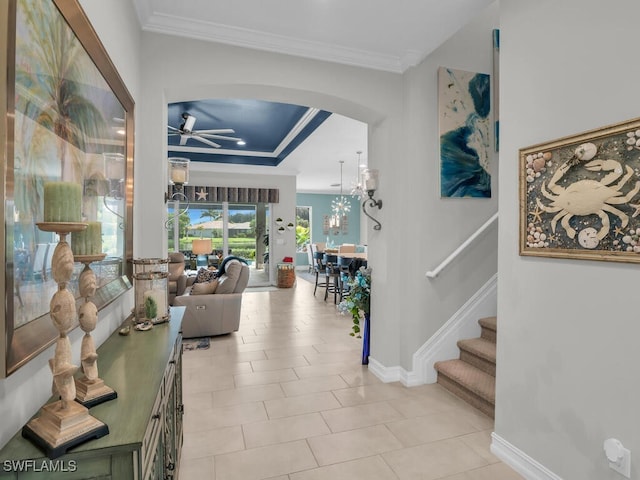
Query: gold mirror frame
point(20, 345)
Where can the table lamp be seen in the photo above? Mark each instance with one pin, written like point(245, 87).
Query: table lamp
point(201, 247)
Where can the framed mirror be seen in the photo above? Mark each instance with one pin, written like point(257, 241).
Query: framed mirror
point(67, 116)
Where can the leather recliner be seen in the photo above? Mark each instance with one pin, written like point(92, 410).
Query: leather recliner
point(215, 313)
point(177, 279)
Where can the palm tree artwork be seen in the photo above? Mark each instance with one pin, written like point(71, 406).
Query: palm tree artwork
point(53, 78)
point(61, 103)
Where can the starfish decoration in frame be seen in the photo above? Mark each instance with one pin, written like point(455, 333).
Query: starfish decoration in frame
point(202, 194)
point(637, 207)
point(536, 215)
point(618, 231)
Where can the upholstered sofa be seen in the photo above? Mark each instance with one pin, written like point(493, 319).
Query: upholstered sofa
point(177, 280)
point(214, 305)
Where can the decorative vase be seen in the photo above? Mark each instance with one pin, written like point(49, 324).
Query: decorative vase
point(365, 339)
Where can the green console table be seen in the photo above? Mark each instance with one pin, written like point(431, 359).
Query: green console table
point(145, 420)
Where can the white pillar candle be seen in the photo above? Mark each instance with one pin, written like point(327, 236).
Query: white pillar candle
point(178, 175)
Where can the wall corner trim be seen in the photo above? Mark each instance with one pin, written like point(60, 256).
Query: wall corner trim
point(443, 344)
point(520, 461)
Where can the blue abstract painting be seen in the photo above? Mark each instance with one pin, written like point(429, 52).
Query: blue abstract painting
point(465, 133)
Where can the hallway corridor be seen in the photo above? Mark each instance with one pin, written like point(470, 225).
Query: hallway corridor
point(285, 398)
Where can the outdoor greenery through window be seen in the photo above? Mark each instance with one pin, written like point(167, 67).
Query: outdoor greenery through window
point(303, 228)
point(206, 221)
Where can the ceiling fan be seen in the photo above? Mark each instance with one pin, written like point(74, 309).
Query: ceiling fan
point(186, 132)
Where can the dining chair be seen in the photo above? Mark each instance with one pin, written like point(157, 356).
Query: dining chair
point(39, 257)
point(310, 257)
point(319, 268)
point(347, 248)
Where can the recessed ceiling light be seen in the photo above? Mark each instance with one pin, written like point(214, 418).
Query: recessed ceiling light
point(241, 142)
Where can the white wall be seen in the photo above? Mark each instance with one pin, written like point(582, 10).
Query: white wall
point(568, 357)
point(437, 226)
point(24, 392)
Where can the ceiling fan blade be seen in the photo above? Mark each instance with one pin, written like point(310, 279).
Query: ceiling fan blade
point(183, 139)
point(216, 130)
point(219, 137)
point(204, 140)
point(170, 134)
point(172, 128)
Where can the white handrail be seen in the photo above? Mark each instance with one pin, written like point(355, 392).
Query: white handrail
point(449, 259)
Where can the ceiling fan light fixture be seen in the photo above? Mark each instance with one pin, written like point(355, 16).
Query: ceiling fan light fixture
point(189, 122)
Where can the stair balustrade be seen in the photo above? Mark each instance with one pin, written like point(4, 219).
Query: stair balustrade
point(436, 271)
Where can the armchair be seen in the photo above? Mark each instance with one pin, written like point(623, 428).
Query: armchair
point(216, 313)
point(177, 280)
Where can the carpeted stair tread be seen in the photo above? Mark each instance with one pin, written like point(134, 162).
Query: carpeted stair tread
point(489, 328)
point(490, 323)
point(480, 347)
point(470, 377)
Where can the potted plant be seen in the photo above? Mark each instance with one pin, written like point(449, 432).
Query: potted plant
point(357, 303)
point(150, 308)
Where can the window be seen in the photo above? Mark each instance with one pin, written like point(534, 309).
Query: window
point(303, 228)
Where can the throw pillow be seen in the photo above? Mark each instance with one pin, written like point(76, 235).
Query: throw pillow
point(204, 275)
point(204, 288)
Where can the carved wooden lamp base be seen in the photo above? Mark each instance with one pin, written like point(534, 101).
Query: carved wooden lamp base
point(57, 430)
point(91, 393)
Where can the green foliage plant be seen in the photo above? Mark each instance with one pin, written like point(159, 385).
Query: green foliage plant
point(150, 307)
point(358, 299)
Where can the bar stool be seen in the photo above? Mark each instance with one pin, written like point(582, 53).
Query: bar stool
point(332, 276)
point(319, 268)
point(345, 266)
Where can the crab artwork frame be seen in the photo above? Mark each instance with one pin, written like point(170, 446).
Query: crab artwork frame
point(580, 195)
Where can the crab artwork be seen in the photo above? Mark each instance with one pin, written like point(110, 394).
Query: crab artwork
point(588, 196)
point(580, 195)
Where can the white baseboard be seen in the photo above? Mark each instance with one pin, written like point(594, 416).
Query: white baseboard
point(520, 461)
point(443, 344)
point(385, 374)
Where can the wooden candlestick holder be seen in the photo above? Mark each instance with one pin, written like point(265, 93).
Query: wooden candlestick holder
point(90, 388)
point(64, 423)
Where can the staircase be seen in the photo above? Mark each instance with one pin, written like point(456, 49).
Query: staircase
point(472, 377)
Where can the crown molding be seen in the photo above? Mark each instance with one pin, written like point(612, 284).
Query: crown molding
point(241, 37)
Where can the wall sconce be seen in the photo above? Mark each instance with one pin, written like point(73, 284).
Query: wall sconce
point(179, 176)
point(371, 185)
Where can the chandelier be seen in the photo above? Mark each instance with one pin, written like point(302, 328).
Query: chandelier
point(340, 205)
point(357, 187)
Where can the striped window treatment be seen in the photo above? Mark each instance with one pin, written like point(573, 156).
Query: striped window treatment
point(197, 194)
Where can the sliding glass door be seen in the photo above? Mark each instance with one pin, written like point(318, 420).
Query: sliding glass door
point(237, 229)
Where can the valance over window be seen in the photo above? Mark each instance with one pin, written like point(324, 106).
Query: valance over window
point(229, 194)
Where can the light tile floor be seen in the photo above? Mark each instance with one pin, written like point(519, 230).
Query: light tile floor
point(285, 398)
